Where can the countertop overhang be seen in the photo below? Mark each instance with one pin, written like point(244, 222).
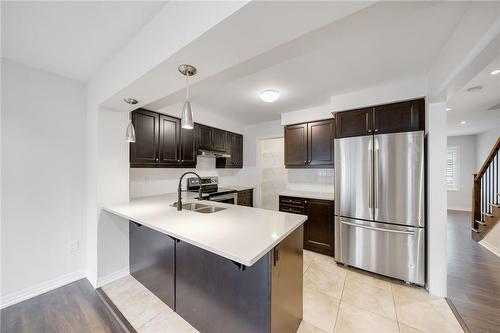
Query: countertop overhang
point(238, 233)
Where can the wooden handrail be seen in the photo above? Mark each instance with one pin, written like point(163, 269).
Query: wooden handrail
point(489, 159)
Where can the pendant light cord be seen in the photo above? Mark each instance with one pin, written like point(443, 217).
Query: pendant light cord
point(187, 86)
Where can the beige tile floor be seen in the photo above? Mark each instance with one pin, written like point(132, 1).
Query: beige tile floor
point(336, 299)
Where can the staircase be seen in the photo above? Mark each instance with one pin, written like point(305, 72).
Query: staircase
point(486, 195)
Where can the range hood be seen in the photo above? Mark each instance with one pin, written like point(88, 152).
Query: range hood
point(212, 153)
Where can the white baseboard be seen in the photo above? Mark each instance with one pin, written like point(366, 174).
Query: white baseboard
point(462, 209)
point(113, 276)
point(24, 294)
point(490, 247)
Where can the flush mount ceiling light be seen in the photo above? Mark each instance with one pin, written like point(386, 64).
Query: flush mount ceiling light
point(474, 89)
point(463, 122)
point(187, 120)
point(495, 72)
point(269, 96)
point(448, 109)
point(130, 133)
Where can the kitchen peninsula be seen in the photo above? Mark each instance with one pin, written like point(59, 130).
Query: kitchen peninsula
point(237, 269)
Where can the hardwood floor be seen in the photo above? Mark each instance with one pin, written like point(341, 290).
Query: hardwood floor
point(473, 277)
point(73, 308)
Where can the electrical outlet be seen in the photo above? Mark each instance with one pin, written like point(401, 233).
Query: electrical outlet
point(73, 246)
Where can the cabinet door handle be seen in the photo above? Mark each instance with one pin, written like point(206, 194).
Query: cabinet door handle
point(157, 159)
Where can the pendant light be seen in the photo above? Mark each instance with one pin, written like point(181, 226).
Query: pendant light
point(130, 133)
point(187, 121)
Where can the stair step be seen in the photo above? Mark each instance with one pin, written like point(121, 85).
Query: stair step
point(481, 222)
point(487, 214)
point(474, 230)
point(495, 205)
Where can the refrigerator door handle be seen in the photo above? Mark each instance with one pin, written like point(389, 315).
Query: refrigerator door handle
point(370, 177)
point(376, 167)
point(377, 229)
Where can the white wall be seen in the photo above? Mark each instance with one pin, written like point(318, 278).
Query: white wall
point(43, 180)
point(145, 181)
point(436, 221)
point(462, 199)
point(309, 114)
point(484, 143)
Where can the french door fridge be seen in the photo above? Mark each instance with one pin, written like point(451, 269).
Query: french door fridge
point(379, 204)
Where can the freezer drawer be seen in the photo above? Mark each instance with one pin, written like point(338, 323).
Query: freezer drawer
point(390, 250)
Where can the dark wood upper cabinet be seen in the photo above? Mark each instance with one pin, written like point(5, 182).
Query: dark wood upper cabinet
point(318, 232)
point(188, 147)
point(390, 118)
point(218, 139)
point(320, 143)
point(169, 152)
point(296, 145)
point(204, 136)
point(233, 147)
point(309, 144)
point(161, 142)
point(147, 127)
point(211, 138)
point(354, 123)
point(399, 117)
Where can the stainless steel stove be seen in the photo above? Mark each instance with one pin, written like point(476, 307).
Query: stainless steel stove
point(211, 191)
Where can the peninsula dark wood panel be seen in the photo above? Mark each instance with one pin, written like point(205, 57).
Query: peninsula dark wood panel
point(214, 296)
point(319, 228)
point(152, 261)
point(145, 148)
point(75, 307)
point(287, 284)
point(354, 123)
point(169, 140)
point(296, 145)
point(320, 143)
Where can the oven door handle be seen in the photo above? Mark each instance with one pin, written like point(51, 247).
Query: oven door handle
point(222, 197)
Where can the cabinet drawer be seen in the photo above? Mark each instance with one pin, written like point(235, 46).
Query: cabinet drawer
point(291, 209)
point(292, 201)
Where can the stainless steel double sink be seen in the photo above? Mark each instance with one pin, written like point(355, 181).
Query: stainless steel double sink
point(199, 208)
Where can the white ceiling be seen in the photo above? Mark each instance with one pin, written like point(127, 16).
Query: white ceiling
point(72, 39)
point(480, 110)
point(382, 43)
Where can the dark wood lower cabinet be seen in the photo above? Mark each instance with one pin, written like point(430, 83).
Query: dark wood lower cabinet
point(217, 295)
point(245, 198)
point(152, 261)
point(319, 227)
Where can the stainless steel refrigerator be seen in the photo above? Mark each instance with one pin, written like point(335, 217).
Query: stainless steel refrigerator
point(379, 204)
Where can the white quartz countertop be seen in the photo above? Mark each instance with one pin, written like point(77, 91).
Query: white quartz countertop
point(239, 187)
point(242, 234)
point(308, 194)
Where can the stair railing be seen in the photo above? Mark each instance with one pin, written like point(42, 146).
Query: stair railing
point(485, 193)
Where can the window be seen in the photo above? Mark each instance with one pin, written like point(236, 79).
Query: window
point(452, 164)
